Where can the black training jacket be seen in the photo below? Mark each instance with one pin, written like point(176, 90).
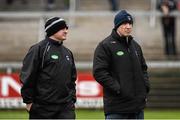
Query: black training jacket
point(48, 74)
point(119, 66)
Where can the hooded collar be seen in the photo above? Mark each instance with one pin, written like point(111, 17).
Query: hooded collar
point(122, 39)
point(58, 43)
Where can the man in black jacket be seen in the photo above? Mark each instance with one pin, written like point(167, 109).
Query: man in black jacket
point(119, 66)
point(169, 25)
point(48, 75)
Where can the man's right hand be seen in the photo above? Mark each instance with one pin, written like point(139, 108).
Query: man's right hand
point(28, 106)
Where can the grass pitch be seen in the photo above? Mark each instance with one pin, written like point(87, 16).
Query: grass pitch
point(97, 114)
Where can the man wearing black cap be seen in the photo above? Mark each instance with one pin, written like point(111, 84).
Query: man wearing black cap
point(48, 75)
point(119, 66)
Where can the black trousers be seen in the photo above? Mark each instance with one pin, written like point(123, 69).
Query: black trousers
point(63, 111)
point(169, 32)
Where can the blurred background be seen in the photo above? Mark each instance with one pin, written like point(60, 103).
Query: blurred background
point(90, 21)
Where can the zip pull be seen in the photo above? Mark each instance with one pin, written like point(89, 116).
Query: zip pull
point(48, 48)
point(127, 40)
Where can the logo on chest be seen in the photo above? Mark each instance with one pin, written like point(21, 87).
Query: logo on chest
point(119, 53)
point(55, 57)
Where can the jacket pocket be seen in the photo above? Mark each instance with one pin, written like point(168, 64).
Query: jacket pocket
point(127, 85)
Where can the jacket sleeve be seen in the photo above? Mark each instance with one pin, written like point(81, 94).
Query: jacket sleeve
point(144, 70)
point(73, 78)
point(28, 75)
point(101, 70)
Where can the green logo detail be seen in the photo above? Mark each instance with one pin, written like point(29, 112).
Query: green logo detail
point(120, 53)
point(54, 57)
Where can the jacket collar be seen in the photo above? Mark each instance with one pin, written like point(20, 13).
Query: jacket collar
point(58, 43)
point(122, 39)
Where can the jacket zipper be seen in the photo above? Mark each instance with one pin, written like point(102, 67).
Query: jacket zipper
point(129, 51)
point(128, 45)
